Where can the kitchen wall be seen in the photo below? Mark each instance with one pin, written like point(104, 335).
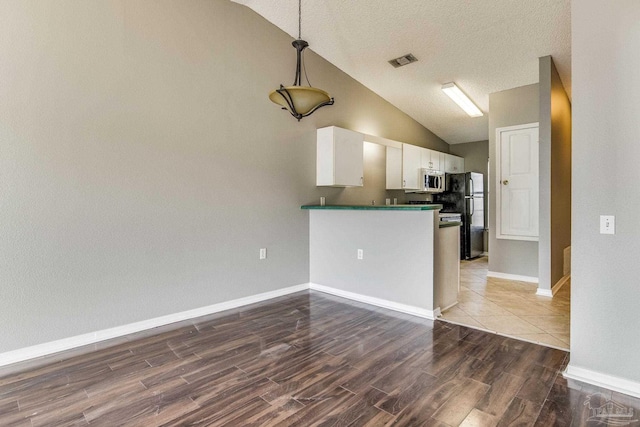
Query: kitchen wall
point(605, 326)
point(555, 175)
point(142, 165)
point(476, 157)
point(508, 108)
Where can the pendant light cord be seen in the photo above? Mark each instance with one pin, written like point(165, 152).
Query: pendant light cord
point(299, 19)
point(304, 69)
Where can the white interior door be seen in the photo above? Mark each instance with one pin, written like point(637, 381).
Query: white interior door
point(517, 195)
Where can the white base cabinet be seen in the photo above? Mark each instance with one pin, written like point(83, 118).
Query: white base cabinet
point(339, 158)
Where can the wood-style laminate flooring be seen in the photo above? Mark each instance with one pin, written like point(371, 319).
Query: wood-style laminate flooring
point(304, 360)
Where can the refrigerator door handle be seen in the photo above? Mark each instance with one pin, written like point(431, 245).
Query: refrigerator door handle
point(472, 192)
point(472, 208)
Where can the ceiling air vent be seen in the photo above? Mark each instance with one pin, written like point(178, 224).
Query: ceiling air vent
point(403, 60)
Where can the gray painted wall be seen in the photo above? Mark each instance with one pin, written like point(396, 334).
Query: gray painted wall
point(402, 240)
point(476, 156)
point(555, 175)
point(509, 108)
point(142, 165)
point(605, 326)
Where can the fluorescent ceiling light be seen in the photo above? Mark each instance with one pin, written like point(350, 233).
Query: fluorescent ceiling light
point(461, 99)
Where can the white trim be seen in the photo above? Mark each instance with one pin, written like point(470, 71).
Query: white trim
point(551, 292)
point(484, 254)
point(508, 276)
point(378, 302)
point(544, 292)
point(622, 385)
point(46, 349)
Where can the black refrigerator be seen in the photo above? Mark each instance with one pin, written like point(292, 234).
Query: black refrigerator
point(464, 194)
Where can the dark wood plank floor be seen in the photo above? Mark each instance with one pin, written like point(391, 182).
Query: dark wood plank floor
point(307, 359)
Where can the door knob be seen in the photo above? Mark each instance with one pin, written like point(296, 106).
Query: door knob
point(505, 182)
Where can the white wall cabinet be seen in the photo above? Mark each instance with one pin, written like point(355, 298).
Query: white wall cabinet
point(394, 169)
point(339, 158)
point(453, 164)
point(403, 165)
point(431, 159)
point(411, 162)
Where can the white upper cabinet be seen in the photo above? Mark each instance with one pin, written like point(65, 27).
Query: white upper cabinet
point(394, 168)
point(411, 163)
point(403, 165)
point(453, 164)
point(339, 159)
point(432, 159)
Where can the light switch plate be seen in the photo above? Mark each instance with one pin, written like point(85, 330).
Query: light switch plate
point(607, 224)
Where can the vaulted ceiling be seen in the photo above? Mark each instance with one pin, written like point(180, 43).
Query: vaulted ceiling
point(484, 46)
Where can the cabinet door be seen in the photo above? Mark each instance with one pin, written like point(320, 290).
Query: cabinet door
point(349, 160)
point(431, 159)
point(437, 160)
point(339, 158)
point(411, 166)
point(517, 195)
point(453, 164)
point(394, 168)
point(425, 158)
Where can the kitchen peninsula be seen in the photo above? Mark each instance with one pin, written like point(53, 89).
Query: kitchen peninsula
point(394, 256)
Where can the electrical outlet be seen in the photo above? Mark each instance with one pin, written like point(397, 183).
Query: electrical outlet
point(360, 254)
point(607, 224)
point(263, 253)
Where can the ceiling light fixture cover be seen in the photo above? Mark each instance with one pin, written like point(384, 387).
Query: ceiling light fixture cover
point(461, 99)
point(300, 101)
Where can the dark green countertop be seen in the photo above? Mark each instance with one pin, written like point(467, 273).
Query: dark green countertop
point(375, 207)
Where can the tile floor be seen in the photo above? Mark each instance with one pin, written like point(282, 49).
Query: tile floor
point(510, 307)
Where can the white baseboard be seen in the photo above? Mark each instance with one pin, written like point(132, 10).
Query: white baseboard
point(378, 302)
point(46, 349)
point(508, 276)
point(599, 379)
point(484, 254)
point(544, 292)
point(551, 292)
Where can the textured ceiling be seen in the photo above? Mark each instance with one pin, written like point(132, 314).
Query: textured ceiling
point(484, 46)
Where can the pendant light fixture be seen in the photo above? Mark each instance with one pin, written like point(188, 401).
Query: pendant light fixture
point(300, 101)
